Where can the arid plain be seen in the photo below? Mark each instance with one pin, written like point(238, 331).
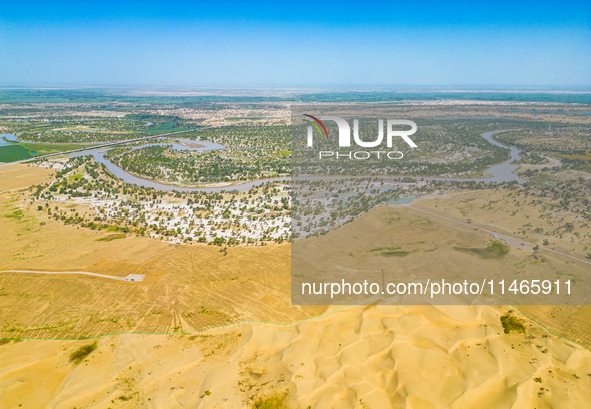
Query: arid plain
point(209, 330)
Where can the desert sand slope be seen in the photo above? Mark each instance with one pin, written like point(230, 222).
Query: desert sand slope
point(357, 357)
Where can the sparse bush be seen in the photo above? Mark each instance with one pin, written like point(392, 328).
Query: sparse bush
point(78, 356)
point(276, 401)
point(495, 249)
point(511, 323)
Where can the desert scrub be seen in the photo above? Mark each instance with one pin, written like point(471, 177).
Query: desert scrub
point(511, 323)
point(276, 401)
point(494, 250)
point(77, 356)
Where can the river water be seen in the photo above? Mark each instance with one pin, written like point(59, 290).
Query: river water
point(99, 156)
point(498, 173)
point(5, 137)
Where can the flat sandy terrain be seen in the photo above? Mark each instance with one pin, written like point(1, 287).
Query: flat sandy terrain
point(13, 177)
point(513, 213)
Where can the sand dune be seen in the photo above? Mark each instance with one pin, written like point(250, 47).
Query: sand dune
point(359, 357)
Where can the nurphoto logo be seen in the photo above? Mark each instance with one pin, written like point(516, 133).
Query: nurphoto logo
point(345, 137)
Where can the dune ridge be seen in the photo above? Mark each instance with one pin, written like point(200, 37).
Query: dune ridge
point(382, 356)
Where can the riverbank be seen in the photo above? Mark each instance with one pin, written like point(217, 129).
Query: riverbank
point(500, 173)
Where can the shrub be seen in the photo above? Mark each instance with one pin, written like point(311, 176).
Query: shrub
point(276, 401)
point(78, 356)
point(511, 323)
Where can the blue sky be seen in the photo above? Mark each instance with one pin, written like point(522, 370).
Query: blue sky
point(225, 43)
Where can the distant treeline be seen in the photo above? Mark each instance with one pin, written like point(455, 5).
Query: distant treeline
point(97, 96)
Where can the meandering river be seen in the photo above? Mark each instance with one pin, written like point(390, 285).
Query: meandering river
point(99, 156)
point(503, 172)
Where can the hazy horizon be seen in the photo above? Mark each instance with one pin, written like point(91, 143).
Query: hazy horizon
point(306, 88)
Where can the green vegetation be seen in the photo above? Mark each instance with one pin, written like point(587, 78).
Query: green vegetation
point(127, 213)
point(70, 127)
point(386, 248)
point(531, 159)
point(585, 156)
point(448, 147)
point(172, 126)
point(78, 356)
point(570, 143)
point(17, 215)
point(511, 323)
point(112, 237)
point(494, 250)
point(165, 127)
point(19, 151)
point(11, 153)
point(391, 251)
point(249, 156)
point(395, 253)
point(275, 401)
point(47, 148)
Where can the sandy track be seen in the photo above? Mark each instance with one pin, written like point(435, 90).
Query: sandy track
point(129, 277)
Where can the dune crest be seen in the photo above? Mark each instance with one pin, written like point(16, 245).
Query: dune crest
point(384, 356)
